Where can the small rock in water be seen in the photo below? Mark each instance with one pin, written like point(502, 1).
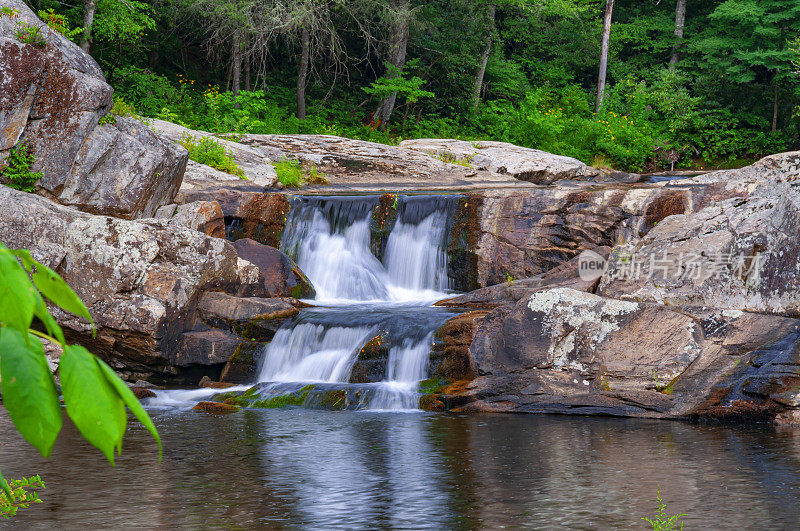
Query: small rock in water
point(215, 407)
point(208, 383)
point(142, 392)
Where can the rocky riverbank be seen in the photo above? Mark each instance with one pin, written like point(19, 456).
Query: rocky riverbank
point(179, 264)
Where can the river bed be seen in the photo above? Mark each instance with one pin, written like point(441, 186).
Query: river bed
point(302, 468)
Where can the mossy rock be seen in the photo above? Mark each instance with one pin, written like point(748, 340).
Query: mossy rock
point(243, 365)
point(431, 403)
point(333, 400)
point(295, 399)
point(370, 364)
point(462, 263)
point(383, 220)
point(216, 407)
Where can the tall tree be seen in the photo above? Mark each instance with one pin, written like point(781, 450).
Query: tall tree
point(746, 44)
point(601, 76)
point(680, 21)
point(399, 17)
point(484, 58)
point(89, 7)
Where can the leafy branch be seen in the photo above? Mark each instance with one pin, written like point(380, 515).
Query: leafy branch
point(94, 396)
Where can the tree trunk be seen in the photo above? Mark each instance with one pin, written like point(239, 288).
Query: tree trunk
point(775, 105)
point(484, 60)
point(302, 72)
point(247, 58)
point(680, 19)
point(397, 58)
point(88, 19)
point(237, 67)
point(601, 77)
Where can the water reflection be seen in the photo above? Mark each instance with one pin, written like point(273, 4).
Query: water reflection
point(319, 469)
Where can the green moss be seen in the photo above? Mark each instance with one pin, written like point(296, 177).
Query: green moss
point(433, 386)
point(335, 400)
point(296, 398)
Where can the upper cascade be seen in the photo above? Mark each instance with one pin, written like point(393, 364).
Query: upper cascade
point(335, 241)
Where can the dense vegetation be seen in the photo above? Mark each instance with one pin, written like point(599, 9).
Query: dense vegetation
point(692, 83)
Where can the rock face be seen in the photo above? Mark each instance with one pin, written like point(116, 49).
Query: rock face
point(51, 98)
point(737, 253)
point(525, 164)
point(678, 328)
point(143, 282)
point(204, 216)
point(282, 277)
point(564, 351)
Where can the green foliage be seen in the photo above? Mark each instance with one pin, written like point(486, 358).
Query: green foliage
point(59, 23)
point(206, 150)
point(293, 175)
point(395, 81)
point(662, 521)
point(17, 173)
point(122, 21)
point(119, 108)
point(19, 494)
point(30, 35)
point(94, 396)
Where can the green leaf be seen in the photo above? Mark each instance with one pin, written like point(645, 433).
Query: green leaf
point(54, 288)
point(5, 488)
point(16, 293)
point(131, 401)
point(29, 391)
point(40, 311)
point(92, 402)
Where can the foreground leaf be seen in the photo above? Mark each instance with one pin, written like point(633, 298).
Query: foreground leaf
point(40, 311)
point(29, 391)
point(16, 293)
point(92, 402)
point(131, 401)
point(54, 288)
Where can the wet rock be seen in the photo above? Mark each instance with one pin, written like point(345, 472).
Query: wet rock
point(142, 392)
point(249, 317)
point(262, 218)
point(564, 351)
point(208, 383)
point(216, 407)
point(371, 361)
point(525, 164)
point(52, 98)
point(244, 363)
point(282, 277)
point(450, 359)
point(207, 347)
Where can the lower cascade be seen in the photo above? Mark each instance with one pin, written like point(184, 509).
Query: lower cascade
point(366, 342)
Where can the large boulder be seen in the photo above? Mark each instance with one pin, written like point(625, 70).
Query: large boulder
point(52, 98)
point(141, 281)
point(282, 277)
point(565, 351)
point(525, 164)
point(739, 251)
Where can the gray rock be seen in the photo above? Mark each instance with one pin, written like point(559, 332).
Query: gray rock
point(525, 164)
point(52, 99)
point(140, 280)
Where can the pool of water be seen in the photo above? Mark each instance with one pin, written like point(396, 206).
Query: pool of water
point(324, 470)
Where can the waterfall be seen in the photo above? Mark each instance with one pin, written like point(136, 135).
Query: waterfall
point(330, 238)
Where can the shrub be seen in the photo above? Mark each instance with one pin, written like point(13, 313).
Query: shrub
point(118, 108)
point(17, 173)
point(59, 23)
point(292, 174)
point(30, 35)
point(206, 150)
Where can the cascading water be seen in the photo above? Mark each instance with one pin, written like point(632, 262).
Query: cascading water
point(331, 240)
point(359, 298)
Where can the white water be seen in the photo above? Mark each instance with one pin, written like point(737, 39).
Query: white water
point(342, 268)
point(337, 259)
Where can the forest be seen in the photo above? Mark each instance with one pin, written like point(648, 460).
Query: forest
point(633, 85)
